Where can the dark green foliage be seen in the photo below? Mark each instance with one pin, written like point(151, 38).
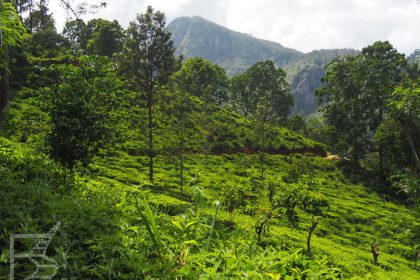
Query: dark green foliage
point(12, 36)
point(403, 107)
point(261, 92)
point(40, 18)
point(204, 80)
point(104, 37)
point(96, 37)
point(75, 31)
point(356, 90)
point(47, 43)
point(81, 103)
point(414, 57)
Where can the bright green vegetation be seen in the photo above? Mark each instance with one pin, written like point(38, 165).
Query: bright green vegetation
point(105, 236)
point(159, 168)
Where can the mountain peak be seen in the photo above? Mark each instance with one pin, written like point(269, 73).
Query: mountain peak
point(235, 51)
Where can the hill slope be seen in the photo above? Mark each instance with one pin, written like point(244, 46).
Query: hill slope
point(104, 236)
point(234, 51)
point(106, 218)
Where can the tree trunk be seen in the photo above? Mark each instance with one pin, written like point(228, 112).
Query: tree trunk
point(310, 231)
point(31, 20)
point(356, 149)
point(375, 253)
point(182, 153)
point(4, 85)
point(381, 165)
point(151, 152)
point(414, 152)
point(262, 151)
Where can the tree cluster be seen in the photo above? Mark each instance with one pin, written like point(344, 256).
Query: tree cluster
point(372, 108)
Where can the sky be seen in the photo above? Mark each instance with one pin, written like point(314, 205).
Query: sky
point(304, 25)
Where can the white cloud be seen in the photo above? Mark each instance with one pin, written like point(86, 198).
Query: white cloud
point(301, 24)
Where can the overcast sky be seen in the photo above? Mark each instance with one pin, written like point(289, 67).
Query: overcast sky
point(304, 25)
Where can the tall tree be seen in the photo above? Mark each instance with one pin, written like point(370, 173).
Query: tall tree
point(262, 84)
point(103, 37)
point(39, 18)
point(47, 43)
point(262, 94)
point(148, 59)
point(207, 81)
point(74, 31)
point(345, 110)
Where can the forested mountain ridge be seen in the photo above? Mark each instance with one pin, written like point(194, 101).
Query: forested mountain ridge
point(414, 57)
point(236, 52)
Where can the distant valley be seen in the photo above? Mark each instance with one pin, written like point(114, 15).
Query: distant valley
point(235, 52)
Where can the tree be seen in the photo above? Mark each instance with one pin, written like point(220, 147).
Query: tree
point(74, 31)
point(39, 19)
point(47, 43)
point(81, 105)
point(148, 59)
point(262, 84)
point(262, 94)
point(404, 107)
point(311, 229)
point(356, 89)
point(302, 193)
point(205, 80)
point(12, 31)
point(391, 139)
point(200, 78)
point(383, 69)
point(182, 107)
point(345, 109)
point(103, 37)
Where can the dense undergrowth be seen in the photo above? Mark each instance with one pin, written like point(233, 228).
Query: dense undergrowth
point(118, 226)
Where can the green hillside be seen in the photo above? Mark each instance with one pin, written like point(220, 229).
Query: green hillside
point(121, 161)
point(105, 217)
point(103, 235)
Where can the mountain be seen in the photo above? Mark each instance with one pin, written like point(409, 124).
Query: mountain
point(235, 52)
point(198, 37)
point(305, 77)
